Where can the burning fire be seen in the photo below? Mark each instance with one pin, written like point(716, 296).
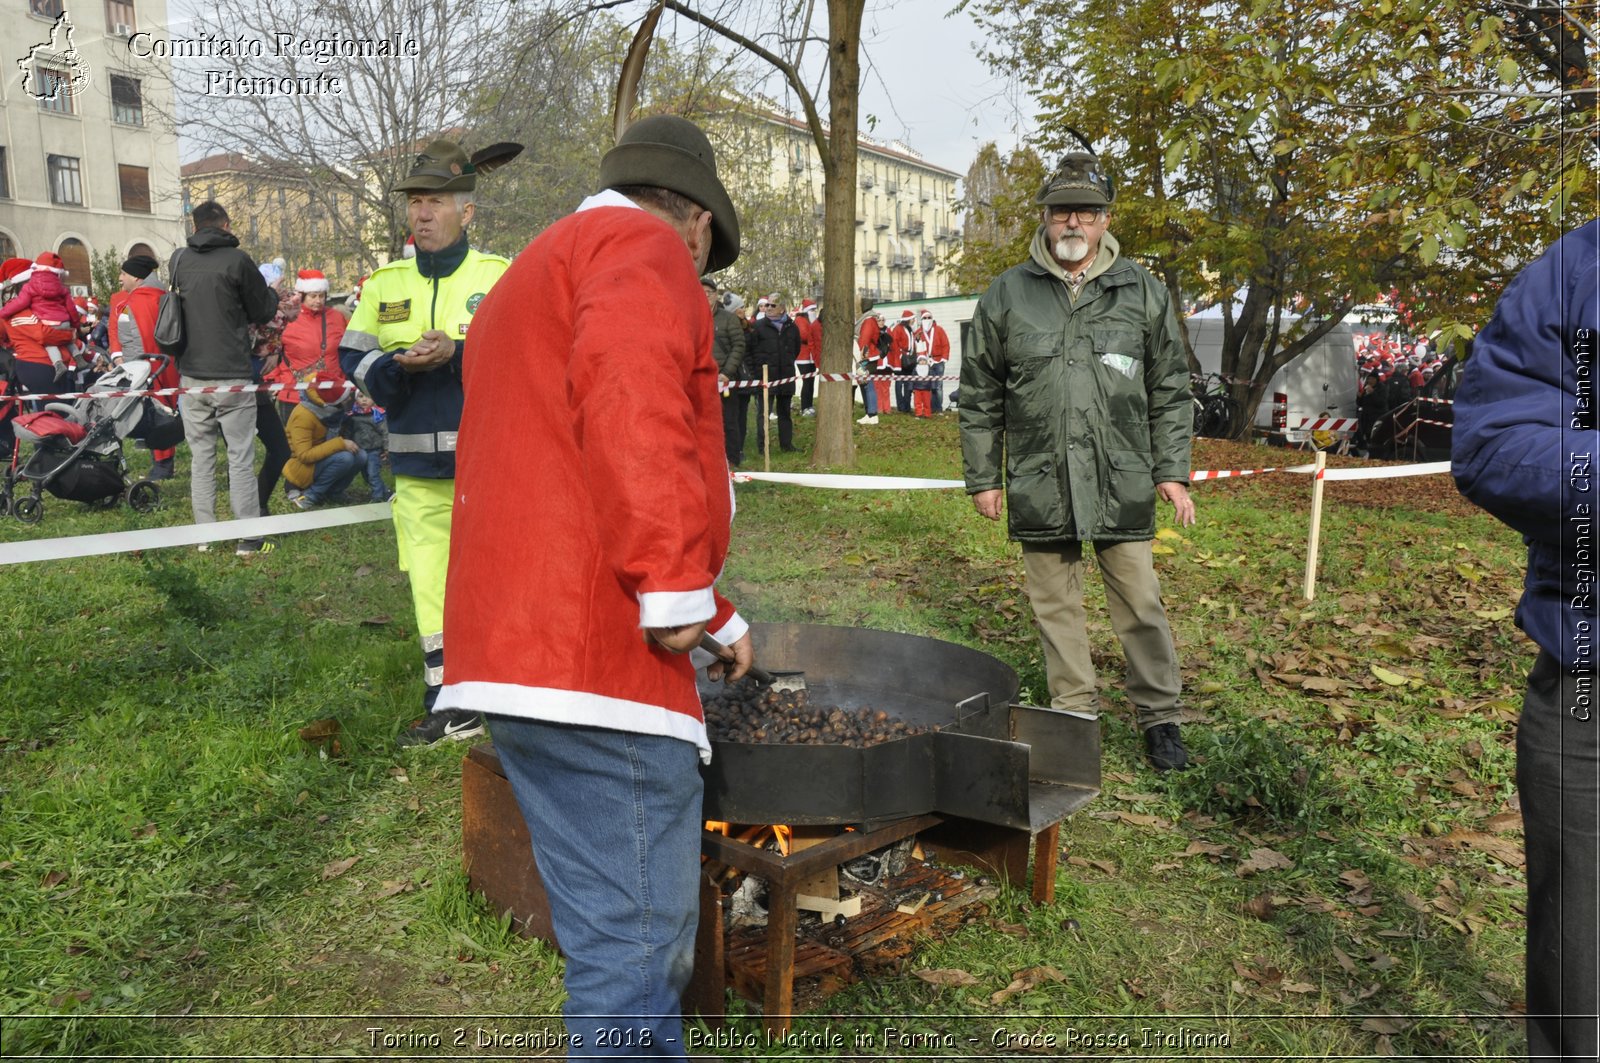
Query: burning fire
point(757, 835)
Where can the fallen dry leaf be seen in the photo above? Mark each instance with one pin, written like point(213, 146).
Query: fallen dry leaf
point(1263, 859)
point(946, 976)
point(1344, 960)
point(1298, 987)
point(1503, 823)
point(1506, 851)
point(392, 888)
point(1382, 1024)
point(1199, 848)
point(1027, 979)
point(52, 880)
point(339, 867)
point(1260, 907)
point(319, 730)
point(1383, 674)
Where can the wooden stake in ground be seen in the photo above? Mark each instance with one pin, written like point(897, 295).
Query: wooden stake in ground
point(766, 422)
point(1316, 526)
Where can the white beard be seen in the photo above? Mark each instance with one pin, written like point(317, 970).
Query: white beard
point(1072, 248)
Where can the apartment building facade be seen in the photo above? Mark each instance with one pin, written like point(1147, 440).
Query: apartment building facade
point(88, 156)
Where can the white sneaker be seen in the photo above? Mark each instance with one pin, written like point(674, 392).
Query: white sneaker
point(808, 413)
point(866, 420)
point(772, 417)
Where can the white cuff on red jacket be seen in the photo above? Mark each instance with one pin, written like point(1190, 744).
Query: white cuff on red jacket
point(676, 608)
point(727, 634)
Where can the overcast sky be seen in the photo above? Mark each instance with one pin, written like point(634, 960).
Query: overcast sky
point(921, 81)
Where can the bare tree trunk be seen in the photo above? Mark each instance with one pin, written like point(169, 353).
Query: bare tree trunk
point(836, 443)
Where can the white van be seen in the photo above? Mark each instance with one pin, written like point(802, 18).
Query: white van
point(1314, 393)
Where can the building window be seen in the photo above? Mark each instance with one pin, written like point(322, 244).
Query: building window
point(46, 8)
point(75, 257)
point(119, 17)
point(127, 100)
point(134, 181)
point(5, 181)
point(55, 91)
point(66, 181)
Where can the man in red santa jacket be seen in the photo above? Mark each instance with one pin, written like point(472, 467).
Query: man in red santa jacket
point(587, 539)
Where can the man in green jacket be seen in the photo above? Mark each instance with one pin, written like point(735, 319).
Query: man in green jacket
point(728, 351)
point(1075, 414)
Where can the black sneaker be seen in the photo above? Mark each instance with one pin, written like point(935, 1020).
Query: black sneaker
point(252, 547)
point(445, 725)
point(1164, 746)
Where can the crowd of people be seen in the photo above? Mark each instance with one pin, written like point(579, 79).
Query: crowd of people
point(571, 565)
point(54, 343)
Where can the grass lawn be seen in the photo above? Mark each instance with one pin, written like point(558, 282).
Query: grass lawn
point(183, 873)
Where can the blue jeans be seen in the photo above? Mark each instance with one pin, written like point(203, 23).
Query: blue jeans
point(902, 394)
point(334, 474)
point(615, 822)
point(374, 475)
point(869, 397)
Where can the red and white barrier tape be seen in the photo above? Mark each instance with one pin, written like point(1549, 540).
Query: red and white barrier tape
point(229, 389)
point(837, 378)
point(1436, 402)
point(1223, 474)
point(1328, 424)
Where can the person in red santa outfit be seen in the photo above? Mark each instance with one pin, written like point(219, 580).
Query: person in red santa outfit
point(310, 341)
point(937, 341)
point(805, 363)
point(867, 353)
point(583, 561)
point(903, 358)
point(43, 322)
point(133, 335)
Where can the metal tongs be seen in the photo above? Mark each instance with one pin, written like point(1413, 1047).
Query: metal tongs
point(793, 680)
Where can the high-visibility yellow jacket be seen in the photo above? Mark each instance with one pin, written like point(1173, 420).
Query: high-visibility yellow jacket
point(399, 302)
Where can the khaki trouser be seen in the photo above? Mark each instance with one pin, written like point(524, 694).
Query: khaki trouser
point(1133, 598)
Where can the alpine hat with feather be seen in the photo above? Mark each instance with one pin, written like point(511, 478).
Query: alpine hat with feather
point(672, 153)
point(444, 166)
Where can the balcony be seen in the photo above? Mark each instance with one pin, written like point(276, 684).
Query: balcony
point(867, 181)
point(891, 187)
point(870, 293)
point(870, 258)
point(910, 226)
point(925, 196)
point(944, 232)
point(928, 262)
point(881, 224)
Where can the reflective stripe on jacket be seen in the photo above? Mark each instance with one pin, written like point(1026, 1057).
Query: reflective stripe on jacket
point(398, 304)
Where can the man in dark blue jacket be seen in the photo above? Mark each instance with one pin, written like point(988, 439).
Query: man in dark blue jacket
point(1525, 447)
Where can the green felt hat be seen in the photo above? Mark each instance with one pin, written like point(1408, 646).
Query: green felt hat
point(672, 153)
point(444, 166)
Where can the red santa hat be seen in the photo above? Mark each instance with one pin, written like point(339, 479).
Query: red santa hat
point(310, 280)
point(925, 312)
point(49, 260)
point(13, 266)
point(906, 315)
point(807, 304)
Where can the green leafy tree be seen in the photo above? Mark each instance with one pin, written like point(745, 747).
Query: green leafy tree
point(1000, 216)
point(1290, 161)
point(105, 271)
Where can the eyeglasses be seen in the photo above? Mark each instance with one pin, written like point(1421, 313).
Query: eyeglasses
point(1083, 214)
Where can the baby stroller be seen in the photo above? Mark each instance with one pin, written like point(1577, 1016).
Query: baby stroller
point(77, 447)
